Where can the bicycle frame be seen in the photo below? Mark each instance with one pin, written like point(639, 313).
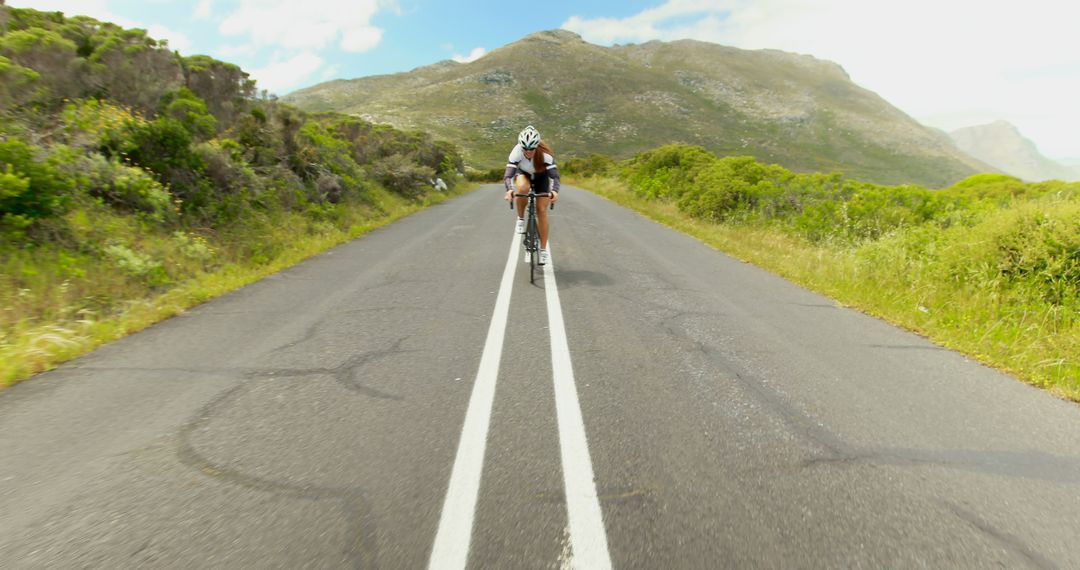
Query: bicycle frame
point(531, 238)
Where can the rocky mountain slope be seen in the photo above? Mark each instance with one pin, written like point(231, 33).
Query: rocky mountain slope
point(795, 110)
point(1001, 145)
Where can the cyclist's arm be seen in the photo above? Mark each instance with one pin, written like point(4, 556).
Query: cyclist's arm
point(508, 178)
point(553, 172)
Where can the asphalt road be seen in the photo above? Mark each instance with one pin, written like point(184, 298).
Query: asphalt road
point(315, 419)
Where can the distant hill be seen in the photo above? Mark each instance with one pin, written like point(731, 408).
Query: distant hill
point(1001, 145)
point(795, 110)
point(1072, 164)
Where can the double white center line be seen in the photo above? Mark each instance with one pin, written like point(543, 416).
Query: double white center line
point(587, 537)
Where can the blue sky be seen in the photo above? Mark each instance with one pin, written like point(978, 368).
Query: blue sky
point(947, 63)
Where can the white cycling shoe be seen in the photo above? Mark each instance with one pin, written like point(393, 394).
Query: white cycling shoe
point(544, 257)
point(520, 226)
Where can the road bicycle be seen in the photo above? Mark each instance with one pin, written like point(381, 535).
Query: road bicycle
point(531, 238)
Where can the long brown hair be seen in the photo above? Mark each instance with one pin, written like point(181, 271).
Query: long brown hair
point(538, 156)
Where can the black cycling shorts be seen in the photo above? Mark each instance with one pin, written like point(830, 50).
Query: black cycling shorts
point(539, 182)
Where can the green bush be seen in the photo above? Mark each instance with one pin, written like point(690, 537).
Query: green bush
point(18, 85)
point(164, 147)
point(985, 179)
point(44, 193)
point(668, 171)
point(592, 165)
point(714, 198)
point(1000, 190)
point(191, 112)
point(92, 123)
point(12, 186)
point(1040, 247)
point(718, 189)
point(49, 55)
point(320, 150)
point(224, 167)
point(194, 247)
point(126, 188)
point(398, 173)
point(489, 175)
point(138, 265)
point(815, 206)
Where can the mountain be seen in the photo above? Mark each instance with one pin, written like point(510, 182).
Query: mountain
point(803, 113)
point(1072, 164)
point(1001, 145)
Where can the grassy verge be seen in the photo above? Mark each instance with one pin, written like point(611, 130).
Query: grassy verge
point(74, 303)
point(1006, 328)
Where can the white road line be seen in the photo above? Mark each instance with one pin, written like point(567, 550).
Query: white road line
point(588, 541)
point(451, 549)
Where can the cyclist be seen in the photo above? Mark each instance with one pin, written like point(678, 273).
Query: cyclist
point(532, 165)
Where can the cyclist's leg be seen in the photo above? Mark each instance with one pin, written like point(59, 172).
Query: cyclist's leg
point(540, 186)
point(542, 219)
point(522, 183)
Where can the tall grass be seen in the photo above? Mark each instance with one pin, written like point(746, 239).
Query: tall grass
point(1003, 288)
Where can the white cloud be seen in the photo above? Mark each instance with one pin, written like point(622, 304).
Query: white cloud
point(930, 58)
point(97, 9)
point(177, 40)
point(474, 55)
point(300, 31)
point(236, 51)
point(360, 39)
point(285, 74)
point(204, 9)
point(309, 25)
point(664, 22)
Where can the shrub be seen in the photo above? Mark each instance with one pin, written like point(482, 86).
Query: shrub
point(224, 167)
point(133, 188)
point(51, 56)
point(668, 171)
point(126, 188)
point(402, 175)
point(714, 197)
point(135, 264)
point(1041, 247)
point(44, 192)
point(193, 246)
point(91, 123)
point(12, 186)
point(1000, 190)
point(592, 165)
point(330, 187)
point(18, 85)
point(225, 87)
point(489, 175)
point(319, 150)
point(984, 179)
point(162, 146)
point(191, 112)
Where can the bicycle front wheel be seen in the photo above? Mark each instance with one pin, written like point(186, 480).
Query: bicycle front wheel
point(534, 247)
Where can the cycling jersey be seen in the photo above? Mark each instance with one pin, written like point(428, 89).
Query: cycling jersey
point(518, 164)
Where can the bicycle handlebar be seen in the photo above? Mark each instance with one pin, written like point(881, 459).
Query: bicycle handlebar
point(551, 206)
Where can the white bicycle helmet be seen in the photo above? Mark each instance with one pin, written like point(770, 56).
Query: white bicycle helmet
point(529, 138)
